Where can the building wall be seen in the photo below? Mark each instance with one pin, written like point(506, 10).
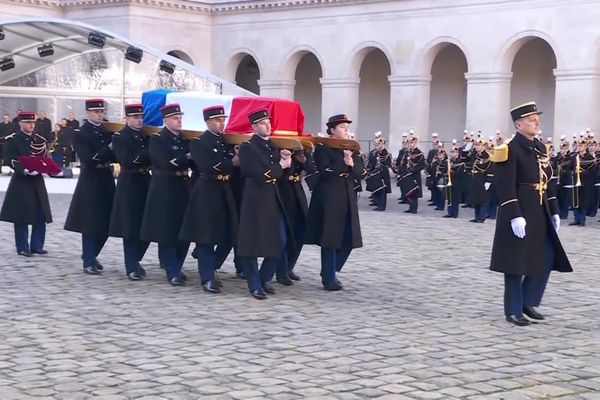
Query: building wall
point(411, 34)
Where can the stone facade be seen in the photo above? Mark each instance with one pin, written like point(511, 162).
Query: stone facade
point(443, 65)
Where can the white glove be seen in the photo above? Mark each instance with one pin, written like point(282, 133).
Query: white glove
point(31, 173)
point(556, 222)
point(487, 185)
point(60, 174)
point(518, 226)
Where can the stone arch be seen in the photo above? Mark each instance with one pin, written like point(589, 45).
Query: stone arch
point(182, 55)
point(293, 59)
point(512, 46)
point(244, 69)
point(361, 52)
point(425, 60)
point(235, 59)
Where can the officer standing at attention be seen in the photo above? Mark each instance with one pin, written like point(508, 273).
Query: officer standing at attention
point(168, 194)
point(332, 220)
point(526, 245)
point(91, 206)
point(211, 219)
point(26, 200)
point(264, 227)
point(130, 146)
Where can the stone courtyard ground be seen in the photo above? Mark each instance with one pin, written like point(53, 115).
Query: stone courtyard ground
point(420, 318)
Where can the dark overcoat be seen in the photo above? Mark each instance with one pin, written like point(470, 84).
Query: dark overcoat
point(211, 214)
point(515, 179)
point(93, 198)
point(261, 207)
point(24, 192)
point(131, 149)
point(334, 199)
point(169, 189)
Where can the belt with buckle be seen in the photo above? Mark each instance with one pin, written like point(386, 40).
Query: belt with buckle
point(294, 178)
point(345, 174)
point(135, 171)
point(273, 181)
point(183, 174)
point(223, 177)
point(534, 186)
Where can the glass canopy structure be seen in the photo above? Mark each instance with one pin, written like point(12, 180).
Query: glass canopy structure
point(51, 65)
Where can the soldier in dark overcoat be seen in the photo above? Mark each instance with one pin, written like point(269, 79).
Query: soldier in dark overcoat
point(168, 194)
point(526, 245)
point(211, 219)
point(91, 205)
point(26, 199)
point(130, 146)
point(264, 226)
point(332, 220)
point(480, 182)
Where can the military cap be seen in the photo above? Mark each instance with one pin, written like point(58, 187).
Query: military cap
point(335, 120)
point(524, 110)
point(26, 116)
point(258, 115)
point(213, 112)
point(94, 104)
point(169, 110)
point(134, 109)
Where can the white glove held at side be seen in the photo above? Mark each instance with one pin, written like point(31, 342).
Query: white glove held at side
point(556, 222)
point(518, 226)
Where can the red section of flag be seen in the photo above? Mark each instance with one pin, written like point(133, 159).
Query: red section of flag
point(286, 115)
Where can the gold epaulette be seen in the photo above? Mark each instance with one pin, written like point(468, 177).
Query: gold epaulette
point(500, 153)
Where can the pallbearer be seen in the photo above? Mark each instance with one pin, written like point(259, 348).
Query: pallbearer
point(168, 194)
point(332, 221)
point(26, 200)
point(264, 226)
point(131, 147)
point(92, 201)
point(211, 219)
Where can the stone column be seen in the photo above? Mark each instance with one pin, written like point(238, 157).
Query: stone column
point(340, 96)
point(488, 103)
point(409, 107)
point(576, 103)
point(277, 88)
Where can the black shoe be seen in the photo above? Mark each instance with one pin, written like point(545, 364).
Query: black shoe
point(183, 277)
point(211, 287)
point(286, 281)
point(532, 313)
point(480, 221)
point(447, 216)
point(177, 281)
point(518, 320)
point(41, 251)
point(267, 287)
point(332, 286)
point(574, 223)
point(293, 276)
point(258, 294)
point(99, 266)
point(439, 208)
point(195, 253)
point(141, 273)
point(92, 270)
point(410, 212)
point(473, 220)
point(134, 276)
point(492, 217)
point(24, 253)
point(466, 206)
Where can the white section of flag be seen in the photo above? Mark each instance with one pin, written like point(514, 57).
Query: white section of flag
point(192, 104)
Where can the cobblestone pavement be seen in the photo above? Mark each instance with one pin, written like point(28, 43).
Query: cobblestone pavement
point(420, 318)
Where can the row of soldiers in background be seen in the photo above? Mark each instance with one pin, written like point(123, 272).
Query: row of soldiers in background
point(59, 136)
point(248, 198)
point(465, 175)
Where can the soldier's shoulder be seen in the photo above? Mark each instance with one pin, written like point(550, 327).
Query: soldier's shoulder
point(12, 135)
